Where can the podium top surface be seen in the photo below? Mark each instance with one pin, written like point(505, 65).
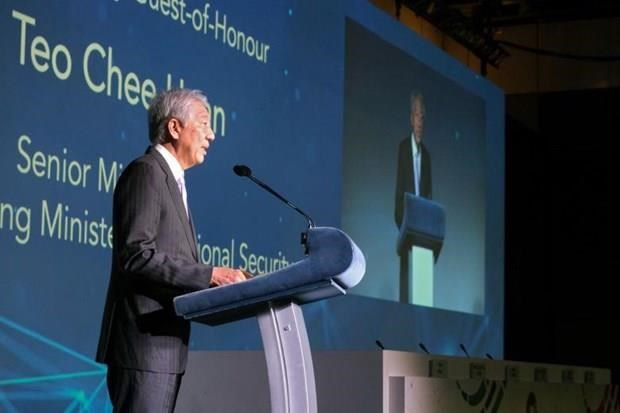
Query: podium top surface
point(424, 223)
point(333, 264)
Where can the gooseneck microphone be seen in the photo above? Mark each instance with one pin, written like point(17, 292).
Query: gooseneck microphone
point(462, 346)
point(243, 170)
point(423, 347)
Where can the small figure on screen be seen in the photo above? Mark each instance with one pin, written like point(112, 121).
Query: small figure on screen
point(155, 258)
point(414, 161)
point(413, 176)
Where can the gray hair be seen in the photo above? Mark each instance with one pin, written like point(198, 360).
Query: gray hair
point(417, 96)
point(173, 103)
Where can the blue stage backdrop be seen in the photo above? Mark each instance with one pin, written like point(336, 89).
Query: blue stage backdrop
point(75, 81)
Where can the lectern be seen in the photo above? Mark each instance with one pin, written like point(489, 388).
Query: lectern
point(419, 243)
point(332, 265)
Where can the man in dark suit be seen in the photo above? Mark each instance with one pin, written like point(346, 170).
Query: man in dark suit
point(155, 258)
point(414, 161)
point(413, 175)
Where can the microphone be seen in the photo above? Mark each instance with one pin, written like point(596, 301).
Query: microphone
point(243, 170)
point(380, 344)
point(464, 350)
point(423, 347)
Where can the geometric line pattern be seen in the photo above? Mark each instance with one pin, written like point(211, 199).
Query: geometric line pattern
point(81, 390)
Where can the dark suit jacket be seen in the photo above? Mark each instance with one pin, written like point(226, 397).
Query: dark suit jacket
point(404, 176)
point(154, 258)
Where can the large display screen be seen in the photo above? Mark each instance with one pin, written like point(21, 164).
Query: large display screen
point(379, 83)
point(313, 96)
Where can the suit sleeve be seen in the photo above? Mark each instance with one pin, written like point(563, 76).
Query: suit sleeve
point(428, 175)
point(147, 235)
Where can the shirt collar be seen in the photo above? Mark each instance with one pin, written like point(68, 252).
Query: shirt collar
point(173, 164)
point(414, 145)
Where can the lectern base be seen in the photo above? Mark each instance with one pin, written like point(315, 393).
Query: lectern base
point(417, 276)
point(289, 360)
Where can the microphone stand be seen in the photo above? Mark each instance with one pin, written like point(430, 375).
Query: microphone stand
point(243, 170)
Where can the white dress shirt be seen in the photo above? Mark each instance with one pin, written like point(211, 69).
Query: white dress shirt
point(177, 172)
point(417, 164)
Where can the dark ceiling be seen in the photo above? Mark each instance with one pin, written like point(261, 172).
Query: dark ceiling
point(474, 23)
point(517, 12)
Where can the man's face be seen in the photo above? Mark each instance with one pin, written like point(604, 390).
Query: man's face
point(416, 117)
point(195, 136)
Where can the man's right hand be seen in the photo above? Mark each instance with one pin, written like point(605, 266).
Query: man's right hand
point(224, 275)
